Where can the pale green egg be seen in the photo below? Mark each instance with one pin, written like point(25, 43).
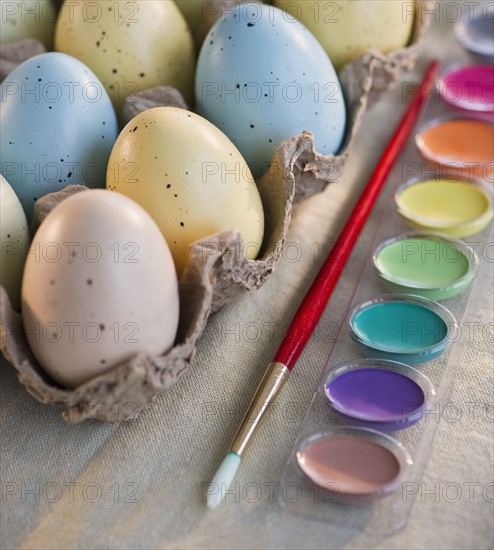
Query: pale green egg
point(14, 235)
point(23, 19)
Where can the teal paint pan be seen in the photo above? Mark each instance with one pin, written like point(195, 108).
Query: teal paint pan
point(402, 327)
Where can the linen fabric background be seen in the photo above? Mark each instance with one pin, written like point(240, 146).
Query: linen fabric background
point(141, 484)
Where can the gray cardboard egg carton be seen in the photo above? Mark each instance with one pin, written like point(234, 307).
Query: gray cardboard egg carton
point(217, 269)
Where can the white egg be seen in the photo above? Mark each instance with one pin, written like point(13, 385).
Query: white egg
point(99, 287)
point(14, 235)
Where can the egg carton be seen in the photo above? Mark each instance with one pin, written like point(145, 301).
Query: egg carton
point(217, 269)
point(14, 53)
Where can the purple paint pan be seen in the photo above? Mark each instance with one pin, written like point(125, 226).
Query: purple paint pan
point(468, 87)
point(377, 393)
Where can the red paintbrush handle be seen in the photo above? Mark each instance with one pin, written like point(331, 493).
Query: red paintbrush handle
point(314, 302)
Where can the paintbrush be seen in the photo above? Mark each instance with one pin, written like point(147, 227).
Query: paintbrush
point(316, 299)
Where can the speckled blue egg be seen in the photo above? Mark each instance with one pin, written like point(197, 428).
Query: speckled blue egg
point(262, 78)
point(58, 127)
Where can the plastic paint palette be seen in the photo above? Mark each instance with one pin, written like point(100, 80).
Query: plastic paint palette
point(458, 208)
point(401, 327)
point(470, 87)
point(383, 395)
point(431, 265)
point(354, 464)
point(358, 461)
point(459, 143)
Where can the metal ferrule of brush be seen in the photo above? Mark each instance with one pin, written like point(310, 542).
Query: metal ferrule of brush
point(271, 383)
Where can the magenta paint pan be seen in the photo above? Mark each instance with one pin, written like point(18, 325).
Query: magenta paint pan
point(376, 393)
point(468, 87)
point(354, 464)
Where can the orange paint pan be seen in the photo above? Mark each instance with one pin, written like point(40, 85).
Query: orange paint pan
point(466, 144)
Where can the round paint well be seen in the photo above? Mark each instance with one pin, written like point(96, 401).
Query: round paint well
point(401, 327)
point(456, 207)
point(466, 144)
point(470, 87)
point(379, 394)
point(354, 464)
point(476, 31)
point(431, 265)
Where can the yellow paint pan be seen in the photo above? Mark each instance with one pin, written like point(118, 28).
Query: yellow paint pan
point(458, 208)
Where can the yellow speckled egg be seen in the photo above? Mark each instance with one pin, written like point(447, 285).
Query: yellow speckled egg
point(348, 28)
point(23, 19)
point(14, 235)
point(130, 46)
point(189, 177)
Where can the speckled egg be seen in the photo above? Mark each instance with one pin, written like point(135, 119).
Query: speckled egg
point(14, 236)
point(348, 28)
point(99, 287)
point(28, 19)
point(57, 127)
point(131, 46)
point(263, 78)
point(189, 177)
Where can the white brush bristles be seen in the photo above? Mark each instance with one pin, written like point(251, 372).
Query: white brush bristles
point(222, 479)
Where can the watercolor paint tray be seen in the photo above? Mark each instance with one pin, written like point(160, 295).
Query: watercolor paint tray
point(390, 513)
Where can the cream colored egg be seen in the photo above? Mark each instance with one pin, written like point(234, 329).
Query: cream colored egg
point(130, 46)
point(195, 11)
point(190, 178)
point(348, 28)
point(14, 235)
point(99, 287)
point(23, 19)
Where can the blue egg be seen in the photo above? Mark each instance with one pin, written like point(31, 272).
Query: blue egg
point(58, 127)
point(262, 78)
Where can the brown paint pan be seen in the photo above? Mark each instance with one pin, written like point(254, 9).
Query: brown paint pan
point(354, 464)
